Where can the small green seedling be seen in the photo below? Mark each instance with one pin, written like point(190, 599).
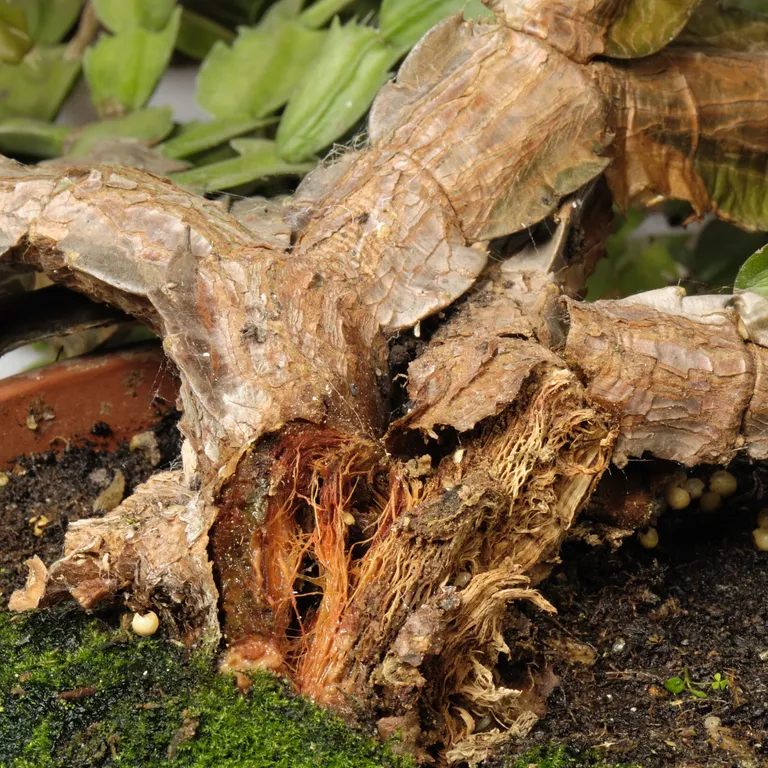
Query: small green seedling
point(719, 683)
point(677, 685)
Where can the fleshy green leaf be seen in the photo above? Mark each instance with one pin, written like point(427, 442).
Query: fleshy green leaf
point(146, 125)
point(198, 34)
point(15, 40)
point(123, 71)
point(260, 71)
point(322, 11)
point(25, 136)
point(404, 22)
point(259, 159)
point(48, 20)
point(739, 186)
point(753, 275)
point(733, 29)
point(198, 136)
point(251, 146)
point(675, 684)
point(646, 26)
point(353, 64)
point(38, 85)
point(121, 15)
point(636, 263)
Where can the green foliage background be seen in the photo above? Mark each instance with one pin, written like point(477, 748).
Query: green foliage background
point(282, 81)
point(294, 79)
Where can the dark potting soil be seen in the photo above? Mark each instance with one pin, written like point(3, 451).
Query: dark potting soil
point(694, 608)
point(62, 486)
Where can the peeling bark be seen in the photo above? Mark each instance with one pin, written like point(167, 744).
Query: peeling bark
point(370, 559)
point(153, 546)
point(691, 126)
point(678, 374)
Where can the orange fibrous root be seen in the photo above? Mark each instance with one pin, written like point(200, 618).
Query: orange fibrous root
point(387, 582)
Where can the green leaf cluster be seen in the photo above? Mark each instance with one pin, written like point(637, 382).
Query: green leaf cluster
point(704, 258)
point(636, 263)
point(698, 690)
point(292, 79)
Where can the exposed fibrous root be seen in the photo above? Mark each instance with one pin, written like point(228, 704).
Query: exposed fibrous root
point(372, 583)
point(410, 599)
point(288, 519)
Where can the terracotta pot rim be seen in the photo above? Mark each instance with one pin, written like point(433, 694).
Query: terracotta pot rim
point(103, 398)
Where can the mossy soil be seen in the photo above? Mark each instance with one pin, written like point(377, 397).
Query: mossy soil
point(78, 690)
point(629, 620)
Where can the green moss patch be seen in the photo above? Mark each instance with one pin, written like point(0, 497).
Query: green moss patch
point(76, 691)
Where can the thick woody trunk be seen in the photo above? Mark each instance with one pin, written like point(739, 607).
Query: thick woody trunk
point(370, 557)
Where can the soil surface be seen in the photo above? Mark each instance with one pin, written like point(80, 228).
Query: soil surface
point(629, 620)
point(62, 486)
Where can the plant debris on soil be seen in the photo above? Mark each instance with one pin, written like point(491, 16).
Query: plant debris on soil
point(45, 491)
point(629, 621)
point(632, 620)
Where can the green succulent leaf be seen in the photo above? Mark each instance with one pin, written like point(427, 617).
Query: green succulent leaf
point(198, 34)
point(260, 71)
point(753, 275)
point(259, 158)
point(675, 684)
point(37, 86)
point(145, 125)
point(123, 70)
point(48, 20)
point(254, 146)
point(353, 64)
point(198, 136)
point(121, 15)
point(740, 188)
point(26, 136)
point(15, 40)
point(646, 26)
point(404, 22)
point(732, 28)
point(322, 11)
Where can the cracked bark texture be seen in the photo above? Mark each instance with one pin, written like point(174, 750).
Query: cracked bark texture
point(345, 544)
